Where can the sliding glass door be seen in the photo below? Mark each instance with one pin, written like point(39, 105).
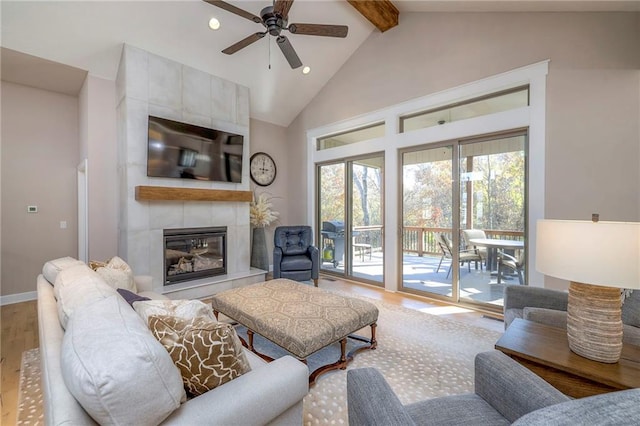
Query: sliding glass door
point(427, 221)
point(463, 213)
point(350, 218)
point(492, 214)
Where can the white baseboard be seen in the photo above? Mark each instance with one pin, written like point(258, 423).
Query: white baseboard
point(17, 298)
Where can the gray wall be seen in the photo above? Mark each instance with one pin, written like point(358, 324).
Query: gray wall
point(40, 153)
point(272, 139)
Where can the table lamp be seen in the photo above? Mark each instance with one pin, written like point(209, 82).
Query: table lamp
point(599, 259)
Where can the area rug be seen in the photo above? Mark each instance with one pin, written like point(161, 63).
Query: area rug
point(30, 410)
point(421, 356)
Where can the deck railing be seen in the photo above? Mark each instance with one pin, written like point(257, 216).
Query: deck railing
point(424, 240)
point(421, 240)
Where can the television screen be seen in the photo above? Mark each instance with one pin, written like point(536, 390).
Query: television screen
point(180, 150)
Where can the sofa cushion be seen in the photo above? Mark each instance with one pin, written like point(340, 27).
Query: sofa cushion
point(185, 309)
point(52, 268)
point(208, 353)
point(76, 286)
point(118, 274)
point(551, 317)
point(115, 368)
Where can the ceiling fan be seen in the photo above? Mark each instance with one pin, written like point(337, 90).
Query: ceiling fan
point(275, 20)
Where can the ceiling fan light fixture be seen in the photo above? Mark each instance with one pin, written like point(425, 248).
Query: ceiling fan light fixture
point(306, 70)
point(214, 24)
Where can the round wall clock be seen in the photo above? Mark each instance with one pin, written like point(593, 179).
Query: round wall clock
point(262, 168)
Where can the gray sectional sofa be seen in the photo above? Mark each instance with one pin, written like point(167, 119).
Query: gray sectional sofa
point(105, 366)
point(505, 393)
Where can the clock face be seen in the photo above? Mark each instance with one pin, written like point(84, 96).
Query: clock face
point(262, 169)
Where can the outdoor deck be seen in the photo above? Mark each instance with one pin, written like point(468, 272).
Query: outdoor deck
point(419, 273)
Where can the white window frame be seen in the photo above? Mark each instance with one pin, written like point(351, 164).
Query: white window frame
point(532, 117)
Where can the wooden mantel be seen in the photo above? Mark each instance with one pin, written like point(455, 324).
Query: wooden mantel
point(166, 193)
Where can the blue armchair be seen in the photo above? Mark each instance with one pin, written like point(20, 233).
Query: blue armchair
point(294, 255)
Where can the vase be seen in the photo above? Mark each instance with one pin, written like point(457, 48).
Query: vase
point(259, 255)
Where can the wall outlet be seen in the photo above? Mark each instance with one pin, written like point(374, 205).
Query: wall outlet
point(32, 209)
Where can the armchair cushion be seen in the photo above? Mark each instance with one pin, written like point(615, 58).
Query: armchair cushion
point(456, 410)
point(296, 263)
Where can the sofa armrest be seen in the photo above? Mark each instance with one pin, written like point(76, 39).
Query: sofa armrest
point(510, 388)
point(518, 297)
point(371, 401)
point(255, 398)
point(314, 254)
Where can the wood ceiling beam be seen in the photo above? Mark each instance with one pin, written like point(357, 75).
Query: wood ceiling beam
point(381, 13)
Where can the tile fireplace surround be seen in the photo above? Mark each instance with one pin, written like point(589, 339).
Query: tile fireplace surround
point(148, 84)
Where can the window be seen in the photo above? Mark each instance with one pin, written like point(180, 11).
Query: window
point(352, 136)
point(496, 102)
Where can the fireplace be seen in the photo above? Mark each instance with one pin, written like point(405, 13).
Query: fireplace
point(191, 253)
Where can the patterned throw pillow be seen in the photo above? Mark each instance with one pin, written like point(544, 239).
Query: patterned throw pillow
point(208, 354)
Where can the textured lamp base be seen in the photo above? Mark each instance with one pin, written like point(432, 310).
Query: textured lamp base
point(594, 323)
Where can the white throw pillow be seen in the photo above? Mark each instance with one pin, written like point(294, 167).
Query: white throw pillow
point(185, 309)
point(52, 268)
point(118, 274)
point(76, 286)
point(116, 369)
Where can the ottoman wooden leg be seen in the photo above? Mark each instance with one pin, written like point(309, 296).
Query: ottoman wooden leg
point(250, 342)
point(374, 342)
point(343, 354)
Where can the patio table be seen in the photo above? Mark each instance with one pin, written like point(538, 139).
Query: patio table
point(493, 245)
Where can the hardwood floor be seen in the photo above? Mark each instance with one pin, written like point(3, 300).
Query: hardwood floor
point(19, 327)
point(19, 330)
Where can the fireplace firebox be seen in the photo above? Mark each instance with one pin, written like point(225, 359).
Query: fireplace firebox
point(191, 253)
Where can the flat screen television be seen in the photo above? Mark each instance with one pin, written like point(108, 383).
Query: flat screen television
point(185, 151)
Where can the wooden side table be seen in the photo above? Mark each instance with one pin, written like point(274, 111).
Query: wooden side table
point(545, 351)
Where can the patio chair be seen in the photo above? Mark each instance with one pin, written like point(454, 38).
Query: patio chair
point(464, 256)
point(514, 263)
point(469, 234)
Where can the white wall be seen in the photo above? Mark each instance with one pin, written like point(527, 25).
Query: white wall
point(39, 158)
point(593, 136)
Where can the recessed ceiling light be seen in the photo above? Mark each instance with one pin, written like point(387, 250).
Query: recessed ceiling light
point(306, 70)
point(214, 24)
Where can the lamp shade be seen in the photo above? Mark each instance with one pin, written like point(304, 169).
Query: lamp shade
point(597, 253)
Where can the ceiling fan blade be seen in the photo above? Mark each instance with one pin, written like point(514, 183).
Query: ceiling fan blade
point(289, 52)
point(231, 8)
point(282, 7)
point(319, 30)
point(243, 43)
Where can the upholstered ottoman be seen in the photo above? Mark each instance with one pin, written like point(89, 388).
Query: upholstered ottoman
point(299, 318)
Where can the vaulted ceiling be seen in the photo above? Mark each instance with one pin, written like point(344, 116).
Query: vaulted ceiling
point(89, 35)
